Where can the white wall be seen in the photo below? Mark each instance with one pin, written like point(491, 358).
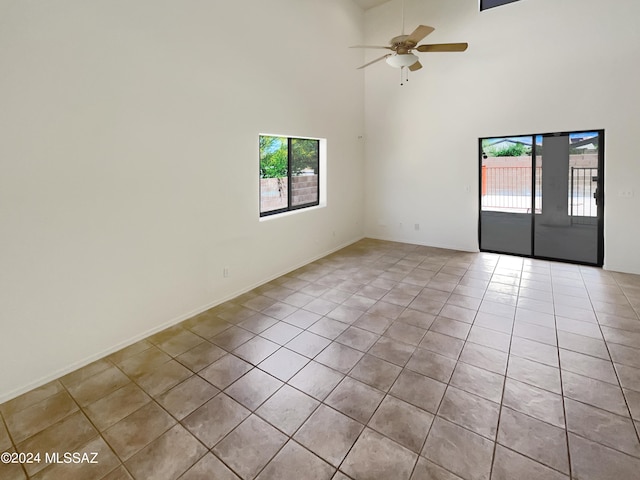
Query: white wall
point(532, 66)
point(128, 162)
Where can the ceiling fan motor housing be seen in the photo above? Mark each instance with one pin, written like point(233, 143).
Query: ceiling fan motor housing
point(400, 45)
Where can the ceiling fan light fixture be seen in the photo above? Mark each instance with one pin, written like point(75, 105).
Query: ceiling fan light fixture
point(402, 60)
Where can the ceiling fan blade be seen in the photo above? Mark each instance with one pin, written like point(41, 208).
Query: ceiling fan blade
point(415, 66)
point(374, 61)
point(443, 47)
point(419, 33)
point(371, 46)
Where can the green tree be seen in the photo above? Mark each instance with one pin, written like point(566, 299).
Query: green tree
point(273, 157)
point(304, 155)
point(513, 150)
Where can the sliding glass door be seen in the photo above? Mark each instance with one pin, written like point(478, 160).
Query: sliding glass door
point(542, 196)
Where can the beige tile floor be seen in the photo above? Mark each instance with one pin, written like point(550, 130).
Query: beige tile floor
point(381, 361)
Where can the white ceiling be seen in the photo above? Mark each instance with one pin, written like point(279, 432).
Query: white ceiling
point(366, 4)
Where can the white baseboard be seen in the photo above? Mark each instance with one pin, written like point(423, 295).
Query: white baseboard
point(4, 397)
point(411, 241)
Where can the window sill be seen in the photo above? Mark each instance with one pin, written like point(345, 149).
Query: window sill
point(291, 212)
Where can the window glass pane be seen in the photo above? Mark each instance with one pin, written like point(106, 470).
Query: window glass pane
point(505, 214)
point(538, 174)
point(273, 174)
point(567, 225)
point(506, 174)
point(583, 178)
point(304, 172)
point(484, 4)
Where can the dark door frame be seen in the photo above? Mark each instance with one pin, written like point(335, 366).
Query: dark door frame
point(599, 193)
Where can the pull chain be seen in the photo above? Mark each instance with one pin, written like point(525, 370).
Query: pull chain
point(403, 78)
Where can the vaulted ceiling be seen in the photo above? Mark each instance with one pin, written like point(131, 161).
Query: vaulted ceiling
point(366, 4)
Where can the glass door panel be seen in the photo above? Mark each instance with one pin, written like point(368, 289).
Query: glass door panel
point(567, 227)
point(506, 195)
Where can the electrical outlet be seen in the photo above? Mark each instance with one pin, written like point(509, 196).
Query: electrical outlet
point(625, 193)
point(225, 272)
point(417, 226)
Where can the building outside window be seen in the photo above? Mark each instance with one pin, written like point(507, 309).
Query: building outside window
point(289, 173)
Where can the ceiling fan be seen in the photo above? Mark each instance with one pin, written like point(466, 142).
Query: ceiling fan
point(403, 45)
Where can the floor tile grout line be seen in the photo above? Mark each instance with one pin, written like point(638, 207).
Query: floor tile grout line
point(577, 401)
point(378, 406)
point(376, 409)
point(99, 433)
point(3, 423)
point(254, 412)
point(622, 290)
point(462, 427)
point(291, 439)
point(388, 393)
point(178, 422)
point(395, 381)
point(152, 399)
point(323, 401)
point(562, 395)
point(615, 370)
point(210, 450)
point(435, 415)
point(495, 444)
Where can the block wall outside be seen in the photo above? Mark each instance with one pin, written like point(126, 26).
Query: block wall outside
point(274, 191)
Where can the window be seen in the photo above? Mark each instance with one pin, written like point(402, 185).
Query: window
point(289, 173)
point(486, 4)
point(507, 175)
